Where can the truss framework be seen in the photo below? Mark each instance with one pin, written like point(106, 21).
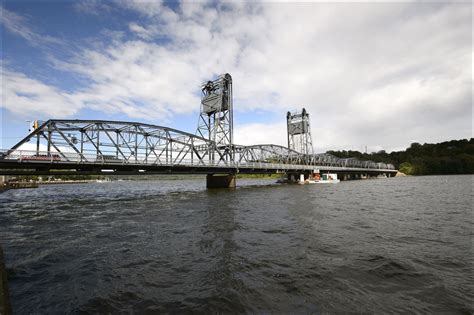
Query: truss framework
point(299, 132)
point(112, 142)
point(216, 117)
point(96, 140)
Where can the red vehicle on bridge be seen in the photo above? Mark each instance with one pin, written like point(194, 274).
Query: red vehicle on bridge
point(42, 157)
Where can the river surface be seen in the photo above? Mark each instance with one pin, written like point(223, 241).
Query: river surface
point(381, 245)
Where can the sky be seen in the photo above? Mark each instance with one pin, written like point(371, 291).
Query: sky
point(372, 75)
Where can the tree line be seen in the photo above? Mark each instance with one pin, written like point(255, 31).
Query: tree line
point(449, 157)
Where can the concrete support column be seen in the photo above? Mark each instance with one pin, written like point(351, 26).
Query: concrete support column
point(3, 186)
point(220, 181)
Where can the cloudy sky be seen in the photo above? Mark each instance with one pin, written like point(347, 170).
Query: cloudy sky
point(381, 75)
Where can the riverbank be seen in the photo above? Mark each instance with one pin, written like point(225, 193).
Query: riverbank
point(455, 157)
point(17, 185)
point(33, 184)
point(60, 182)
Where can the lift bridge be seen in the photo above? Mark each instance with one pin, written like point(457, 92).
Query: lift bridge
point(98, 147)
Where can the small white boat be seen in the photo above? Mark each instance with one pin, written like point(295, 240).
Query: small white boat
point(105, 180)
point(316, 178)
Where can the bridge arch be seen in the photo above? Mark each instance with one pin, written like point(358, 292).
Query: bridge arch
point(119, 141)
point(267, 153)
point(112, 142)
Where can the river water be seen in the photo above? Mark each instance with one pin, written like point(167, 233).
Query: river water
point(382, 245)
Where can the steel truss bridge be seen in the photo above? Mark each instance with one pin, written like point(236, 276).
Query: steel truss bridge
point(86, 147)
point(112, 147)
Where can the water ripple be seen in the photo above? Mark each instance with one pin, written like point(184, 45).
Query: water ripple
point(373, 246)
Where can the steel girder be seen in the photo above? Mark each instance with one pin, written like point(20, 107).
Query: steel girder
point(216, 117)
point(92, 141)
point(268, 153)
point(299, 132)
point(323, 159)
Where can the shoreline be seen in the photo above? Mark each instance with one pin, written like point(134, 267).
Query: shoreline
point(84, 181)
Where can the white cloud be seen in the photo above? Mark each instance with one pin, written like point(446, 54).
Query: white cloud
point(142, 32)
point(155, 9)
point(257, 133)
point(31, 98)
point(93, 7)
point(29, 148)
point(18, 25)
point(364, 71)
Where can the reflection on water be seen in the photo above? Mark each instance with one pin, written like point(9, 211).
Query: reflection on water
point(388, 245)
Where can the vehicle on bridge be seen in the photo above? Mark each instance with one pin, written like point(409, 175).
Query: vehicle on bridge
point(41, 157)
point(109, 158)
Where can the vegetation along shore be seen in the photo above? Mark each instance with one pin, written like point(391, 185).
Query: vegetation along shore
point(449, 157)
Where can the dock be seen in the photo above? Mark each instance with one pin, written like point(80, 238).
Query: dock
point(17, 185)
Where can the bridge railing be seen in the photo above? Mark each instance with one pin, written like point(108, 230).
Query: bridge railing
point(109, 161)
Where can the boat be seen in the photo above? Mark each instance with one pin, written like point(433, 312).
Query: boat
point(105, 180)
point(316, 178)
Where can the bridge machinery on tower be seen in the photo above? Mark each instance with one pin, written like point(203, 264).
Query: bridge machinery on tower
point(216, 118)
point(216, 125)
point(299, 132)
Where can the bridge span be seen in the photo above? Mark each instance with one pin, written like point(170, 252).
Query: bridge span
point(98, 147)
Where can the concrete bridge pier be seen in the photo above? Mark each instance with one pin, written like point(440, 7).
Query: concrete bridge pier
point(220, 181)
point(3, 186)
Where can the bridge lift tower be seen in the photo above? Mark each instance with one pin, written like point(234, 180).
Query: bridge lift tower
point(299, 132)
point(216, 117)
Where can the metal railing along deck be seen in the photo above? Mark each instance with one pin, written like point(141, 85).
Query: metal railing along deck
point(32, 158)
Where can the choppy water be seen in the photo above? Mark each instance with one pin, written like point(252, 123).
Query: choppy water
point(386, 245)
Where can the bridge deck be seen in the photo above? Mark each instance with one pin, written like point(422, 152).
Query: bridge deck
point(18, 166)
